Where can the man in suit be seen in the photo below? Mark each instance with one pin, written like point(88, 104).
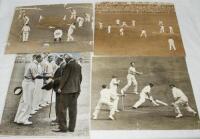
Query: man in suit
point(69, 89)
point(56, 82)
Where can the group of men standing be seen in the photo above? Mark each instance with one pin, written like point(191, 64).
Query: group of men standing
point(45, 76)
point(109, 95)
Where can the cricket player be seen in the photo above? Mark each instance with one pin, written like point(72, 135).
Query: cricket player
point(40, 18)
point(37, 95)
point(28, 84)
point(145, 94)
point(87, 17)
point(133, 23)
point(143, 33)
point(73, 14)
point(117, 21)
point(124, 24)
point(162, 29)
point(49, 71)
point(65, 17)
point(160, 23)
point(121, 31)
point(25, 32)
point(109, 29)
point(70, 32)
point(171, 31)
point(105, 99)
point(58, 35)
point(131, 79)
point(114, 83)
point(26, 19)
point(80, 21)
point(100, 25)
point(180, 99)
point(171, 44)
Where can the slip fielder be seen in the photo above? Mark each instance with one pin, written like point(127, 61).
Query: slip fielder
point(180, 99)
point(105, 99)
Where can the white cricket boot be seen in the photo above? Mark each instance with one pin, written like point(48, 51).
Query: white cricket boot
point(179, 115)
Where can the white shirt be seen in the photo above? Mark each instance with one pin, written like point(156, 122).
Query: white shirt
point(32, 70)
point(132, 70)
point(178, 93)
point(117, 21)
point(58, 33)
point(113, 84)
point(143, 31)
point(26, 28)
point(170, 41)
point(79, 19)
point(105, 95)
point(146, 89)
point(121, 30)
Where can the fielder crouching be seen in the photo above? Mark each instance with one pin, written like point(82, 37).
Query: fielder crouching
point(105, 99)
point(180, 100)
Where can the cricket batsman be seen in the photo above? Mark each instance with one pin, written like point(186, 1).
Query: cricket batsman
point(180, 99)
point(145, 94)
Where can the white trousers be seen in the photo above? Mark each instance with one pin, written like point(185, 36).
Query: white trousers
point(37, 96)
point(107, 103)
point(24, 108)
point(183, 103)
point(25, 36)
point(172, 46)
point(131, 79)
point(143, 34)
point(69, 37)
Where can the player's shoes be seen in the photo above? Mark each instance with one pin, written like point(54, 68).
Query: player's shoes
point(111, 117)
point(179, 115)
point(94, 116)
point(133, 107)
point(117, 111)
point(136, 93)
point(195, 114)
point(28, 123)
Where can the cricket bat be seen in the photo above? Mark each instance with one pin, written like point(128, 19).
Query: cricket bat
point(161, 102)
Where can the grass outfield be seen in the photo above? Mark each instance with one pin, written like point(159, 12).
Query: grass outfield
point(40, 32)
point(159, 70)
point(155, 44)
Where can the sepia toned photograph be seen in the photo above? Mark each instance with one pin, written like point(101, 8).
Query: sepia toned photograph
point(142, 93)
point(137, 28)
point(51, 28)
point(48, 95)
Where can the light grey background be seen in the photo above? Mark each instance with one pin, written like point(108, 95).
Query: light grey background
point(188, 14)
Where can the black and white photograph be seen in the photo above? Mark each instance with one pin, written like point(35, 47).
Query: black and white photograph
point(137, 29)
point(48, 95)
point(142, 93)
point(51, 28)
